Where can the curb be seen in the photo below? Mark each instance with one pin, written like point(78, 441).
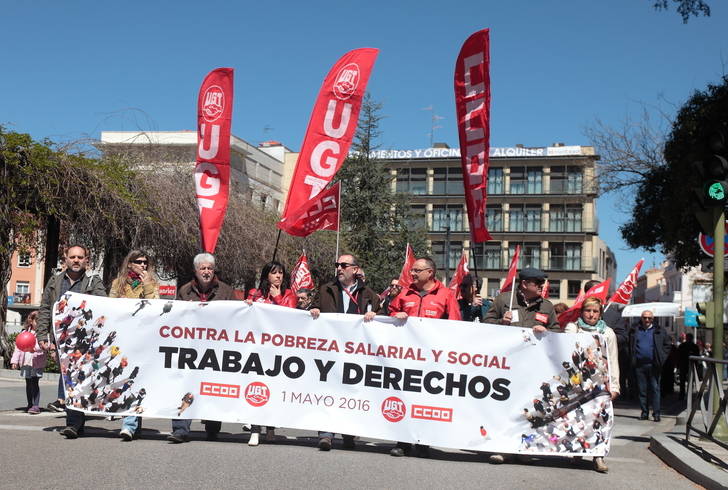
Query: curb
point(686, 462)
point(13, 374)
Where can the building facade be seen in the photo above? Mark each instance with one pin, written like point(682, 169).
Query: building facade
point(543, 199)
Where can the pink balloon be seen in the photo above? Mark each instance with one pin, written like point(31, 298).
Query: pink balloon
point(25, 341)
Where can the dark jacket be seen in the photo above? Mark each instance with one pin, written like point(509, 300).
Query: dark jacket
point(539, 312)
point(662, 344)
point(329, 299)
point(89, 284)
point(218, 292)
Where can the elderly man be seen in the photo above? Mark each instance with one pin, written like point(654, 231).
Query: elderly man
point(204, 287)
point(72, 279)
point(529, 309)
point(649, 346)
point(428, 298)
point(345, 294)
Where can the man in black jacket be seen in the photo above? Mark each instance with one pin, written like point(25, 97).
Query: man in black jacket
point(72, 279)
point(649, 347)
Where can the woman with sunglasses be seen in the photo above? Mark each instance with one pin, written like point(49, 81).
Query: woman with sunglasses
point(591, 321)
point(137, 280)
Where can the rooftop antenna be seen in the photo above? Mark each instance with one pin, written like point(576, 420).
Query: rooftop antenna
point(434, 126)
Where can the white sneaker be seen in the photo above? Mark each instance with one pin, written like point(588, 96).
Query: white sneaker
point(253, 441)
point(126, 434)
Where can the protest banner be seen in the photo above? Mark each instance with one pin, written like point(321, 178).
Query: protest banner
point(429, 381)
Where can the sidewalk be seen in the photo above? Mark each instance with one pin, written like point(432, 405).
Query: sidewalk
point(703, 461)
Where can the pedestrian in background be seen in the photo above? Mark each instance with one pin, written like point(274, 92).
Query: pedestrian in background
point(31, 365)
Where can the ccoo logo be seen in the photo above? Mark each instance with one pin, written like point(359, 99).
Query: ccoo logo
point(393, 409)
point(257, 394)
point(213, 103)
point(346, 81)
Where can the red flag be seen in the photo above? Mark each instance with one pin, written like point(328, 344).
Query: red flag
point(331, 128)
point(472, 103)
point(545, 290)
point(405, 278)
point(572, 314)
point(460, 272)
point(212, 172)
point(624, 293)
point(512, 270)
point(319, 213)
point(301, 275)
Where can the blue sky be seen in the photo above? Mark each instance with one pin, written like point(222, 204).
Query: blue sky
point(73, 69)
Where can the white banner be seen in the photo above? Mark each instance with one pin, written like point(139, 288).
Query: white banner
point(445, 383)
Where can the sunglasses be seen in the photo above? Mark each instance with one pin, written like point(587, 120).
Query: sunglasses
point(343, 265)
point(140, 261)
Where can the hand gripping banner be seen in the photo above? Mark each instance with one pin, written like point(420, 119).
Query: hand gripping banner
point(453, 384)
point(331, 128)
point(212, 172)
point(472, 103)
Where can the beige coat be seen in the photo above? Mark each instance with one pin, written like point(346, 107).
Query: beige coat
point(612, 353)
point(143, 291)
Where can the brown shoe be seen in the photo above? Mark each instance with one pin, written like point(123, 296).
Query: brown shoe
point(270, 435)
point(324, 444)
point(600, 465)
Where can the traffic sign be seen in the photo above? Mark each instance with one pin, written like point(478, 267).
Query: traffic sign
point(707, 245)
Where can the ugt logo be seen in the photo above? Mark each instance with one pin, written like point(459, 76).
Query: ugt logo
point(393, 409)
point(257, 394)
point(346, 81)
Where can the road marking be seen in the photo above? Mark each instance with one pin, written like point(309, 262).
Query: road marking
point(21, 427)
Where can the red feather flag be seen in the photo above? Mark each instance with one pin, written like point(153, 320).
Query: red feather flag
point(319, 213)
point(624, 292)
point(512, 271)
point(301, 274)
point(572, 314)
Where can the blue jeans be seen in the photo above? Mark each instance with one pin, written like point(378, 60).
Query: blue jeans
point(181, 427)
point(132, 424)
point(648, 382)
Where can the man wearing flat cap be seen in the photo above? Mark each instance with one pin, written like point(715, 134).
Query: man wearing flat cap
point(529, 310)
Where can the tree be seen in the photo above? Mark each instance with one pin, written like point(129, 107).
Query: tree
point(663, 212)
point(376, 221)
point(686, 8)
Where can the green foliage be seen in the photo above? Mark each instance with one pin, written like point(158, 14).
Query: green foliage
point(375, 220)
point(663, 215)
point(51, 366)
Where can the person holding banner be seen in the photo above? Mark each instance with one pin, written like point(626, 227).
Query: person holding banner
point(530, 310)
point(345, 294)
point(72, 279)
point(272, 289)
point(136, 279)
point(591, 321)
point(425, 297)
point(204, 287)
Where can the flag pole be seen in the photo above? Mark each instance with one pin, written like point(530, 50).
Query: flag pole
point(275, 250)
point(338, 225)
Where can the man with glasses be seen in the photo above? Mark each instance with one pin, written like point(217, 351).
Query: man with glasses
point(649, 347)
point(72, 279)
point(205, 286)
point(345, 294)
point(428, 298)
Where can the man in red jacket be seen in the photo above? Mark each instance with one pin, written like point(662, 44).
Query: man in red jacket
point(428, 298)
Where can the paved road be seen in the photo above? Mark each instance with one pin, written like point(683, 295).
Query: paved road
point(104, 461)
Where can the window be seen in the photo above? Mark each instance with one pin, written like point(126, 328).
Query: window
point(565, 256)
point(566, 180)
point(525, 217)
point(565, 218)
point(518, 180)
point(417, 217)
point(456, 249)
point(412, 180)
point(495, 181)
point(23, 260)
point(439, 181)
point(444, 215)
point(22, 287)
point(574, 288)
point(533, 180)
point(448, 181)
point(554, 289)
point(530, 254)
point(492, 256)
point(494, 215)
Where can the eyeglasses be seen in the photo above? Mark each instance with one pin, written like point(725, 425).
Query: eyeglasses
point(417, 271)
point(343, 265)
point(647, 318)
point(140, 261)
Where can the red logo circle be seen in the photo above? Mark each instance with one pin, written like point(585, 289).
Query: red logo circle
point(213, 103)
point(257, 394)
point(346, 81)
point(393, 409)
